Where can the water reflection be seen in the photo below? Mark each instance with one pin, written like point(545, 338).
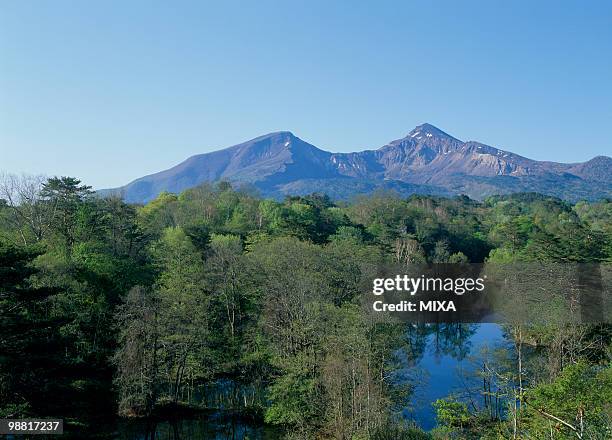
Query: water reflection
point(435, 361)
point(205, 428)
point(436, 364)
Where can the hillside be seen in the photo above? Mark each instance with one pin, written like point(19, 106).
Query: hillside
point(426, 161)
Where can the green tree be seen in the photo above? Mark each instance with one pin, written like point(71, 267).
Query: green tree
point(65, 197)
point(183, 319)
point(29, 337)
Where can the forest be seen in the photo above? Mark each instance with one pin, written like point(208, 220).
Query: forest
point(216, 300)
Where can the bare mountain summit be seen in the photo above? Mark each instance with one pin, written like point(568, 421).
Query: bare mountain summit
point(427, 161)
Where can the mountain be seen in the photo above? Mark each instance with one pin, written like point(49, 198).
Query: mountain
point(426, 161)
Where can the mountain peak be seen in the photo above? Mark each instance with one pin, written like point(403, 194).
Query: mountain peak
point(428, 130)
point(282, 163)
point(275, 135)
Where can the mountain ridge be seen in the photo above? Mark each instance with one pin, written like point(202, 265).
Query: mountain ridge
point(427, 160)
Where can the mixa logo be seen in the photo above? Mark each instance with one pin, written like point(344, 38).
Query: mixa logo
point(412, 306)
point(437, 306)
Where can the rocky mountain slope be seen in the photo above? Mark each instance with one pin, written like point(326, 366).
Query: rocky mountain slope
point(427, 161)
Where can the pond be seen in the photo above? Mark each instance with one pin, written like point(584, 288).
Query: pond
point(437, 363)
point(443, 369)
point(205, 428)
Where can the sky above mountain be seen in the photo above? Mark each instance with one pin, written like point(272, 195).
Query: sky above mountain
point(115, 90)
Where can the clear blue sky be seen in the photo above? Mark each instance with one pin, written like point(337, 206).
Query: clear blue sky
point(110, 91)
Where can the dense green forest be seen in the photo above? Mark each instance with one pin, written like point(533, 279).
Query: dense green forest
point(216, 298)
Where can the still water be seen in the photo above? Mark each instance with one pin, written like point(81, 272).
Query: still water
point(445, 369)
point(437, 362)
point(195, 429)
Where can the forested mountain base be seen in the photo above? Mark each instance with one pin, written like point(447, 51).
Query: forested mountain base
point(216, 299)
